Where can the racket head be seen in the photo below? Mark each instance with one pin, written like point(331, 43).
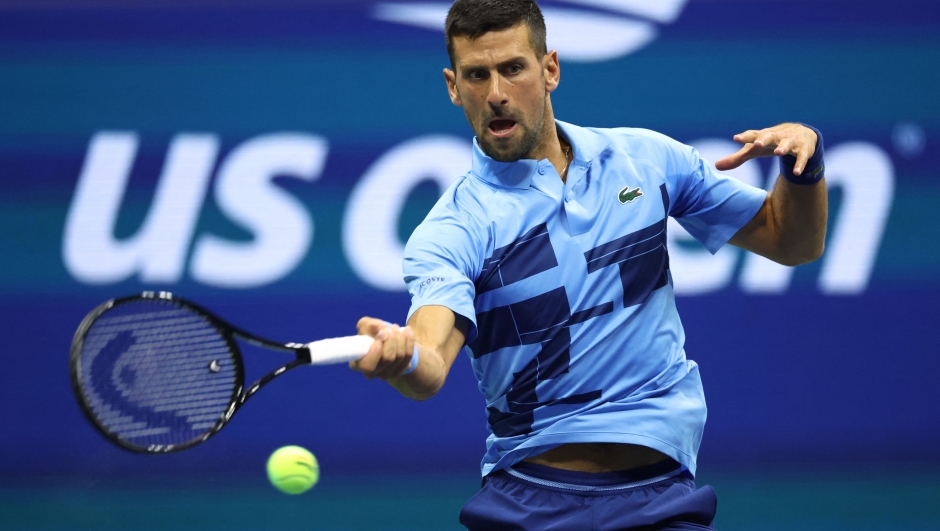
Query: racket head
point(154, 373)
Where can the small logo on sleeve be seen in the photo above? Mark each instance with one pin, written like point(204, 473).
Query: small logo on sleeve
point(628, 196)
point(428, 281)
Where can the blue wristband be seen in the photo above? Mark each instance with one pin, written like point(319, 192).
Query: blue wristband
point(414, 362)
point(815, 167)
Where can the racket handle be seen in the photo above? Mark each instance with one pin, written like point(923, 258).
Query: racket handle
point(339, 349)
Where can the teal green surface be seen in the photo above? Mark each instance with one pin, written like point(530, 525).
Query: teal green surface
point(862, 85)
point(857, 500)
point(909, 252)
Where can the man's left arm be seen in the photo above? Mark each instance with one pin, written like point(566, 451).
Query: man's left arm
point(790, 227)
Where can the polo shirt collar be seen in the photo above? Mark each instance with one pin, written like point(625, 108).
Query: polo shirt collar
point(586, 145)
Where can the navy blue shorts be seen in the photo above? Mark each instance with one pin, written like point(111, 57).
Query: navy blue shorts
point(534, 497)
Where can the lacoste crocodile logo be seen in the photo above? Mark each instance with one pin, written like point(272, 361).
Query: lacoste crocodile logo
point(816, 172)
point(628, 196)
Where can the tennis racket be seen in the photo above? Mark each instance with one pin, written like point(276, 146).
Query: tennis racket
point(156, 374)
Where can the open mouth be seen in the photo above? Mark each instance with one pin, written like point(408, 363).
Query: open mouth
point(502, 127)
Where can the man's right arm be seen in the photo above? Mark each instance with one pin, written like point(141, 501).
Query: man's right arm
point(439, 334)
point(442, 256)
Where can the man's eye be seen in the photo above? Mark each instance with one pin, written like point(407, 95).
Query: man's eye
point(476, 75)
point(514, 69)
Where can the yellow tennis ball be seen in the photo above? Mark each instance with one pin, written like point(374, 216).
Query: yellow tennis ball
point(293, 469)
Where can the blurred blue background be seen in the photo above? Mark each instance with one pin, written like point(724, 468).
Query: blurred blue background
point(268, 159)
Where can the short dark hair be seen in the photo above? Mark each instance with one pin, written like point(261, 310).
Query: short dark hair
point(473, 18)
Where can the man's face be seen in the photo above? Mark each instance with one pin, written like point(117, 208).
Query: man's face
point(503, 87)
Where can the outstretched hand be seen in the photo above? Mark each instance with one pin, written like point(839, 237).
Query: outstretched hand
point(784, 139)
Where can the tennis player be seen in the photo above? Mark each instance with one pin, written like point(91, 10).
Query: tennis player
point(547, 264)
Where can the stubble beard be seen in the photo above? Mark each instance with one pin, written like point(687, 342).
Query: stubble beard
point(512, 151)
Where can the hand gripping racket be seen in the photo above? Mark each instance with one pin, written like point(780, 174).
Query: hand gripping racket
point(156, 374)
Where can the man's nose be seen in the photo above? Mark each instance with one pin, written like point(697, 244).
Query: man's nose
point(496, 95)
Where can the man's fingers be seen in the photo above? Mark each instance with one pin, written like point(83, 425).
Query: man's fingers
point(728, 163)
point(390, 340)
point(370, 326)
point(390, 351)
point(363, 325)
point(400, 341)
point(389, 369)
point(733, 161)
point(368, 363)
point(801, 158)
point(392, 370)
point(766, 139)
point(746, 137)
point(784, 147)
point(782, 140)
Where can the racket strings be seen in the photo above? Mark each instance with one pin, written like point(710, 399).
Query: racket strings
point(157, 374)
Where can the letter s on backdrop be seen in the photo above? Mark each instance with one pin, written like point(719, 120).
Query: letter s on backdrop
point(245, 192)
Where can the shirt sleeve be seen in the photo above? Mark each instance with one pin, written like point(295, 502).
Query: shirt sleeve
point(442, 259)
point(711, 206)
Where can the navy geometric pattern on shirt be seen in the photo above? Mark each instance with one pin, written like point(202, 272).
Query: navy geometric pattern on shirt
point(521, 399)
point(541, 319)
point(529, 255)
point(528, 322)
point(642, 258)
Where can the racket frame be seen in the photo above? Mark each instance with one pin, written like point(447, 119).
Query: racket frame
point(227, 332)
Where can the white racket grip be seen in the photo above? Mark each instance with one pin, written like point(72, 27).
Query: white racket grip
point(339, 349)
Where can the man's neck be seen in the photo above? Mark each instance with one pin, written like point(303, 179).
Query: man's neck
point(555, 148)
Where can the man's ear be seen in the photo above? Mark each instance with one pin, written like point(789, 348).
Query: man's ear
point(451, 79)
point(551, 70)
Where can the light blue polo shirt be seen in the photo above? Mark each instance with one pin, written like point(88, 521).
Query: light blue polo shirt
point(576, 337)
